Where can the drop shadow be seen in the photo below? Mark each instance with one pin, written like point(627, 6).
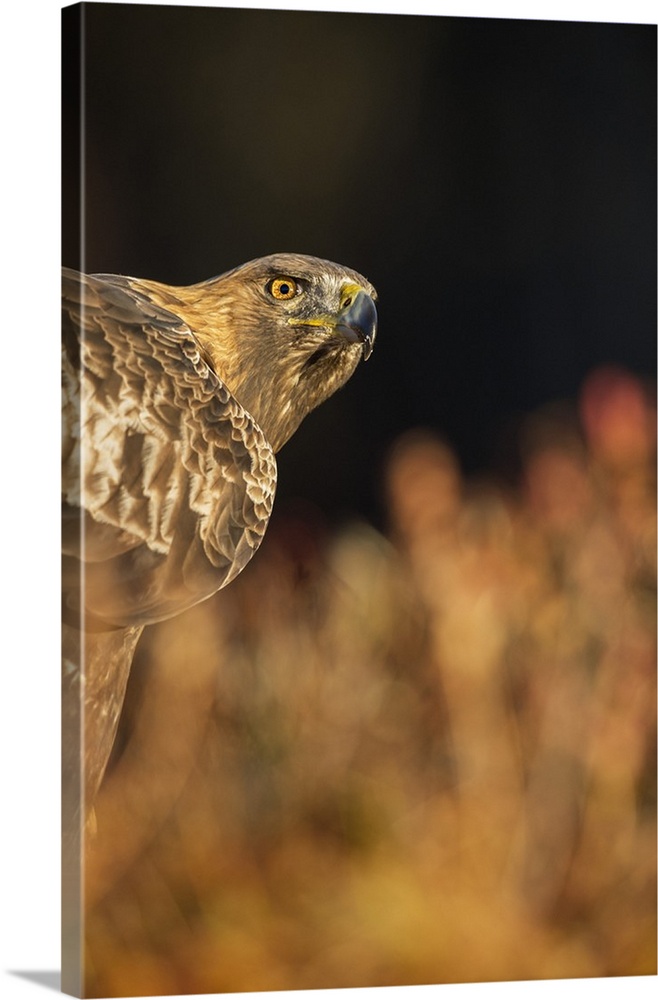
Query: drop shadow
point(49, 979)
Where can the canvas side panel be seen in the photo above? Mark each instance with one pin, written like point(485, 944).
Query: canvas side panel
point(72, 787)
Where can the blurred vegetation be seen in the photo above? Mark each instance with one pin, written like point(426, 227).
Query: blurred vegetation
point(419, 756)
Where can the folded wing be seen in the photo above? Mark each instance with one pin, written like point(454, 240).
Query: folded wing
point(168, 482)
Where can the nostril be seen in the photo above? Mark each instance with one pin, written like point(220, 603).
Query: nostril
point(347, 302)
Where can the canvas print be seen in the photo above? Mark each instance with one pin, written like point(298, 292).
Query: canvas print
point(359, 500)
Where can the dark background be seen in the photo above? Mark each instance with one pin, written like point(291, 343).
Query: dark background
point(494, 179)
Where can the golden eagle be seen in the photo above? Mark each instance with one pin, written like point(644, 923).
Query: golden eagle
point(175, 401)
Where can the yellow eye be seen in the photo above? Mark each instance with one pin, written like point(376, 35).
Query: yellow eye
point(283, 288)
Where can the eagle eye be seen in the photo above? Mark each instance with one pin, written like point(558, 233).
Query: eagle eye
point(283, 288)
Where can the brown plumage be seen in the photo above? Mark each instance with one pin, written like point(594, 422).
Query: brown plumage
point(175, 402)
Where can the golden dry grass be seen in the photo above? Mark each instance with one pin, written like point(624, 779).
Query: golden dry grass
point(421, 758)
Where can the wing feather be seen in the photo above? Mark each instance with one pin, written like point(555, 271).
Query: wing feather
point(173, 478)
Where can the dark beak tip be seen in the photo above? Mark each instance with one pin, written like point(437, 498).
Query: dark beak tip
point(368, 347)
point(359, 322)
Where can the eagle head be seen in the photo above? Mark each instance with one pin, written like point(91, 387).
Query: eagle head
point(283, 332)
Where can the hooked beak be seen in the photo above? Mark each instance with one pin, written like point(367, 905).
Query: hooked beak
point(357, 319)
